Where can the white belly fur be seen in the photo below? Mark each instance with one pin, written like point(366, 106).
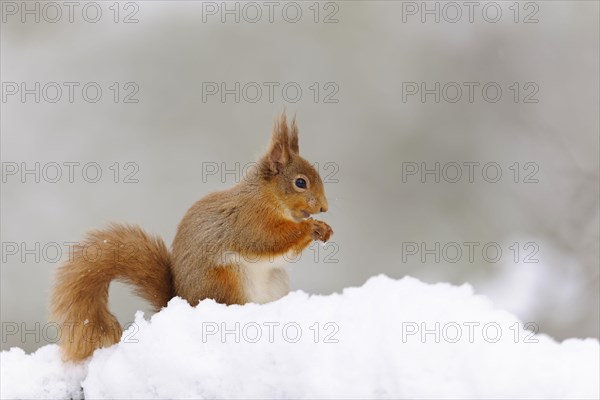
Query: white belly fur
point(265, 279)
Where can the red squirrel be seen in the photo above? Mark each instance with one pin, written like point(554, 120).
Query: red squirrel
point(229, 247)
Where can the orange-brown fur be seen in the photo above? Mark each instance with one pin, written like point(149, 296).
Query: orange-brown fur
point(80, 296)
point(263, 216)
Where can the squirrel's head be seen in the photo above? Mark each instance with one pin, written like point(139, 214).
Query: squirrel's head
point(291, 178)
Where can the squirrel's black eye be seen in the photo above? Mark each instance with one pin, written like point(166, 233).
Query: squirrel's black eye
point(301, 183)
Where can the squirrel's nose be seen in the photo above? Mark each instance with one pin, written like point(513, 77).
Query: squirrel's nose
point(323, 203)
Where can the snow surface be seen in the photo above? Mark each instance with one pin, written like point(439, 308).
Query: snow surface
point(380, 340)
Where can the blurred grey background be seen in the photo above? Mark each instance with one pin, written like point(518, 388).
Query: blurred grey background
point(356, 63)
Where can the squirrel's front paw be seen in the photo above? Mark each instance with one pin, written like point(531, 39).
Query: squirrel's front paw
point(320, 231)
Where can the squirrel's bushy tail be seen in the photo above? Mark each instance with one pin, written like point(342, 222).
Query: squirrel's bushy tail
point(80, 297)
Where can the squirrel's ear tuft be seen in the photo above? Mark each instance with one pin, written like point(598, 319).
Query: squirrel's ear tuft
point(294, 148)
point(278, 153)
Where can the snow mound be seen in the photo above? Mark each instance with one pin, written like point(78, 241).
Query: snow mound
point(41, 375)
point(386, 339)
